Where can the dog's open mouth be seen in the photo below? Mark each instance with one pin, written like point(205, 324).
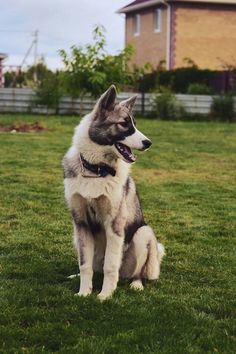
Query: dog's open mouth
point(126, 152)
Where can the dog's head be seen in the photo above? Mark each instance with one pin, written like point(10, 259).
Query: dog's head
point(113, 125)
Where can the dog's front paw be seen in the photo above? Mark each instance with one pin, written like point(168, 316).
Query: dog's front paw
point(104, 296)
point(83, 293)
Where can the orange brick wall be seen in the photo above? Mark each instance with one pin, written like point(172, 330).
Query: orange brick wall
point(206, 34)
point(150, 46)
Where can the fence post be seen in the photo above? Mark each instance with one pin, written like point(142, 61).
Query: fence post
point(142, 103)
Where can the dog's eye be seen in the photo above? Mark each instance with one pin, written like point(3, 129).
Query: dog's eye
point(124, 124)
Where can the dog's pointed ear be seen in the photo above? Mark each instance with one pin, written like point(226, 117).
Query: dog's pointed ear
point(129, 103)
point(107, 100)
point(105, 103)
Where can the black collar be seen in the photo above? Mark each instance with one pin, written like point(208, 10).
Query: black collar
point(100, 170)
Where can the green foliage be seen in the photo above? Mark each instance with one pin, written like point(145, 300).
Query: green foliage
point(30, 77)
point(81, 75)
point(187, 187)
point(14, 79)
point(167, 106)
point(180, 79)
point(36, 74)
point(189, 63)
point(177, 80)
point(48, 91)
point(148, 82)
point(199, 89)
point(222, 108)
point(91, 70)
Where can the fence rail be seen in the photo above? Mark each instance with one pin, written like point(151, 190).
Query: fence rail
point(23, 100)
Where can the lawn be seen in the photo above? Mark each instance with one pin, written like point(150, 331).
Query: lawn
point(187, 183)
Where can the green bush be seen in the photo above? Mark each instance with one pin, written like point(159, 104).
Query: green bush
point(167, 107)
point(222, 108)
point(199, 89)
point(49, 91)
point(178, 79)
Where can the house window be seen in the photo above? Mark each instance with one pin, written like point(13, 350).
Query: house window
point(157, 20)
point(136, 25)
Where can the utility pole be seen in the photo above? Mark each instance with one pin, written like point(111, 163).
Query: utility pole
point(35, 54)
point(33, 45)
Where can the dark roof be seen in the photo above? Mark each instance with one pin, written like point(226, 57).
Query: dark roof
point(133, 3)
point(139, 4)
point(136, 2)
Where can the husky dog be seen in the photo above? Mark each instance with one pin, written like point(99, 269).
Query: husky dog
point(110, 234)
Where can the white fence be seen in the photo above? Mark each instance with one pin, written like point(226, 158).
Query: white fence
point(23, 100)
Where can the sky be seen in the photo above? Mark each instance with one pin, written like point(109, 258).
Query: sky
point(60, 24)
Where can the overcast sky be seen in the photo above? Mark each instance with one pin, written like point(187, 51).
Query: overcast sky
point(61, 24)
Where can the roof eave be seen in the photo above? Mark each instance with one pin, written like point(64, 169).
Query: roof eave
point(150, 3)
point(131, 8)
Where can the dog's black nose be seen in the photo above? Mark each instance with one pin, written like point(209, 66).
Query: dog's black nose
point(146, 144)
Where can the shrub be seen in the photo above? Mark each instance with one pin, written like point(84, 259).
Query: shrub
point(199, 89)
point(178, 79)
point(48, 91)
point(167, 107)
point(222, 108)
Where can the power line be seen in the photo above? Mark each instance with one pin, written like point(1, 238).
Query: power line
point(35, 54)
point(16, 31)
point(45, 35)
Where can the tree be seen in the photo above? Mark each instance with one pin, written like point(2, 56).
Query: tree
point(26, 77)
point(15, 78)
point(40, 70)
point(90, 70)
point(49, 91)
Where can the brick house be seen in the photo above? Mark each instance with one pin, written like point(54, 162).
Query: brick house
point(172, 30)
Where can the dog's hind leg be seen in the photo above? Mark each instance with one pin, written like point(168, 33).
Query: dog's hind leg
point(143, 258)
point(134, 259)
point(156, 251)
point(137, 284)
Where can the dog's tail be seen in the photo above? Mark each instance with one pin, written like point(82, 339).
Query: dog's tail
point(156, 252)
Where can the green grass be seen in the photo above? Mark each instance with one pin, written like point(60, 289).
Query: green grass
point(187, 186)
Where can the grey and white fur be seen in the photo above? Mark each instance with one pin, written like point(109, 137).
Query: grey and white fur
point(110, 234)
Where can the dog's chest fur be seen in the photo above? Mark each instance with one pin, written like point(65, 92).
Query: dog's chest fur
point(92, 188)
point(101, 203)
point(98, 199)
